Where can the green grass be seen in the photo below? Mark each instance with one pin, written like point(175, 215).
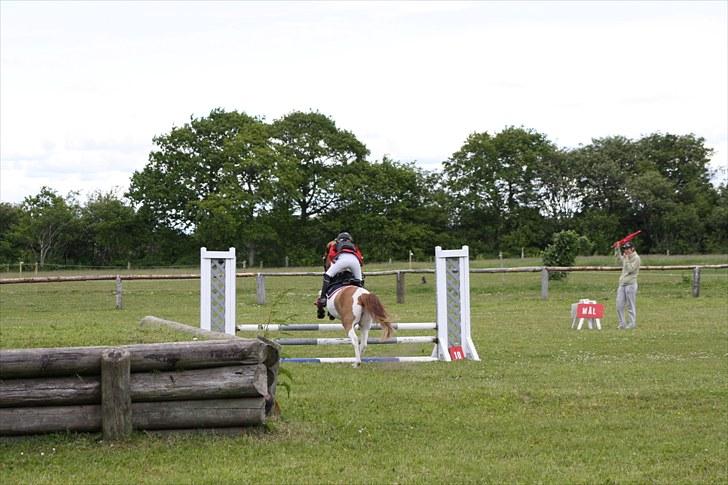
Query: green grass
point(545, 405)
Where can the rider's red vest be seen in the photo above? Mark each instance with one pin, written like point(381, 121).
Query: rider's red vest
point(344, 247)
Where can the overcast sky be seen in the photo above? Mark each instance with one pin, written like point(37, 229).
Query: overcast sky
point(85, 86)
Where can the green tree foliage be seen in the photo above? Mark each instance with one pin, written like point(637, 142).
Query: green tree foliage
point(47, 223)
point(213, 178)
point(112, 231)
point(205, 158)
point(278, 192)
point(660, 184)
point(10, 215)
point(716, 224)
point(312, 158)
point(496, 190)
point(561, 252)
point(391, 208)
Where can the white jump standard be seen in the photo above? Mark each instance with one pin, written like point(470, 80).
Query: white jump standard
point(217, 290)
point(452, 342)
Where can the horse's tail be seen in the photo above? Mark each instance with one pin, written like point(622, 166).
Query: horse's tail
point(374, 307)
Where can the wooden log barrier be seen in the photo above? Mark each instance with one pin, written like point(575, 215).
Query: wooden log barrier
point(115, 395)
point(144, 357)
point(215, 413)
point(217, 383)
point(214, 384)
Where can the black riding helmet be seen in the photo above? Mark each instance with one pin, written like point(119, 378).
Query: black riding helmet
point(627, 245)
point(344, 236)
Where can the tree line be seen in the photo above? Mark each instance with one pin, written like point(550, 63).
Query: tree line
point(279, 191)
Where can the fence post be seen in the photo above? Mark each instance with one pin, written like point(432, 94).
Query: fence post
point(544, 284)
point(260, 288)
point(696, 281)
point(400, 287)
point(118, 292)
point(115, 394)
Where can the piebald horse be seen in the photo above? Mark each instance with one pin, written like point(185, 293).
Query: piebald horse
point(354, 306)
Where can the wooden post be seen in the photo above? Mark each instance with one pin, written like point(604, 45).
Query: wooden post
point(544, 284)
point(260, 288)
point(696, 281)
point(400, 287)
point(115, 394)
point(118, 292)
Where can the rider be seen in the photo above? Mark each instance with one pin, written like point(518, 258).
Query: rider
point(343, 255)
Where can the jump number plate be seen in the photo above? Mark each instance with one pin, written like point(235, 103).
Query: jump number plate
point(456, 353)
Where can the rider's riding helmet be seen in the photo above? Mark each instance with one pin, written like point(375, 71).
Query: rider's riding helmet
point(344, 236)
point(626, 246)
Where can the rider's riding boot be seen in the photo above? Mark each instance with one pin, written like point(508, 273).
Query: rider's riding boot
point(321, 302)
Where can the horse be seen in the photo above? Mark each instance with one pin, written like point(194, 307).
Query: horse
point(354, 305)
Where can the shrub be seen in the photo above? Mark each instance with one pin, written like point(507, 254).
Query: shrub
point(561, 252)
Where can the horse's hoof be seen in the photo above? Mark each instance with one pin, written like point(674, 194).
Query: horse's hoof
point(356, 364)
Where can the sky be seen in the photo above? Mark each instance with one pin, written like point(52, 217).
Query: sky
point(86, 86)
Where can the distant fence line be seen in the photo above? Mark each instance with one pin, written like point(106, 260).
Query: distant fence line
point(399, 274)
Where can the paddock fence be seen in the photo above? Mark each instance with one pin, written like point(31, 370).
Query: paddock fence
point(400, 275)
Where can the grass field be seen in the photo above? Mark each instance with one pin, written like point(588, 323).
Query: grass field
point(545, 405)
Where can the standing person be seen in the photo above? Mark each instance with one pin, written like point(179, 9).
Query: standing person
point(627, 289)
point(343, 255)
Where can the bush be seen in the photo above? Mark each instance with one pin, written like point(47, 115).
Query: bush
point(585, 246)
point(561, 252)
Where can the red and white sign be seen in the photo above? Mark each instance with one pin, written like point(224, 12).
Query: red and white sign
point(456, 353)
point(589, 310)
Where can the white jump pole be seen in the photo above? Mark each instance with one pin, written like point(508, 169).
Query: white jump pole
point(217, 290)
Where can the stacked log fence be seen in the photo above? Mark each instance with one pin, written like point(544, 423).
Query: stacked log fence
point(223, 385)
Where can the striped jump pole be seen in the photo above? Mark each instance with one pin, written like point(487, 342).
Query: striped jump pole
point(350, 360)
point(347, 341)
point(298, 327)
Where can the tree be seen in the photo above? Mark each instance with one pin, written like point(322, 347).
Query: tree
point(213, 177)
point(212, 155)
point(112, 229)
point(45, 221)
point(716, 224)
point(391, 208)
point(493, 181)
point(10, 215)
point(312, 158)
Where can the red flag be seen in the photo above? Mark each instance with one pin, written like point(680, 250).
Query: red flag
point(627, 238)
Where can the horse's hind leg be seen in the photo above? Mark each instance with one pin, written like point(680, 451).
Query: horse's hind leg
point(354, 342)
point(364, 326)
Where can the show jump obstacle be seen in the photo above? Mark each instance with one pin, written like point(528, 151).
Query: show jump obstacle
point(451, 342)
